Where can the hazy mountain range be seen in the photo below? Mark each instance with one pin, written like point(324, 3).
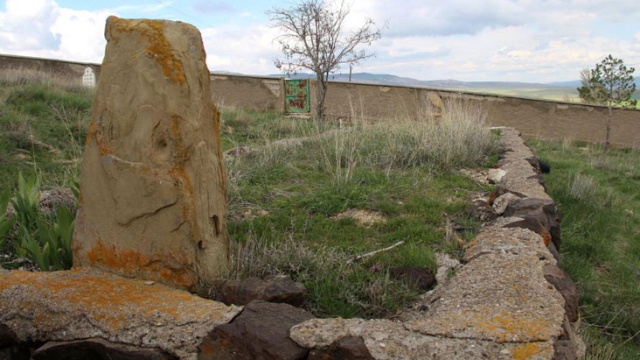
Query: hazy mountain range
point(564, 90)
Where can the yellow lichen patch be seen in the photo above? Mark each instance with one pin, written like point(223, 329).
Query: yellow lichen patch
point(526, 351)
point(133, 263)
point(95, 134)
point(109, 300)
point(159, 47)
point(507, 327)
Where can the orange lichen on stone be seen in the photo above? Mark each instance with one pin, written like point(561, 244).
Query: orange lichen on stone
point(110, 300)
point(509, 328)
point(159, 47)
point(526, 351)
point(132, 262)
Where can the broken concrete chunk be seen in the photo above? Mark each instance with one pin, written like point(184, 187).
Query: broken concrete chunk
point(502, 297)
point(501, 202)
point(88, 303)
point(495, 176)
point(152, 198)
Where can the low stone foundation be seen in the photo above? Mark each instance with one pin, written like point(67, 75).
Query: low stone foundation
point(509, 300)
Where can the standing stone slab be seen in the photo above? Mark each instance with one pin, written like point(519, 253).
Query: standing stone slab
point(152, 199)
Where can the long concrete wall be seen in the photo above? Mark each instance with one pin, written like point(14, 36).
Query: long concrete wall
point(68, 71)
point(254, 92)
point(534, 118)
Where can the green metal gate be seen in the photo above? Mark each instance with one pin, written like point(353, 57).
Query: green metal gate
point(297, 96)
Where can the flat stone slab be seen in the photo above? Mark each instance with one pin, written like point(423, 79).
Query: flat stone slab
point(520, 176)
point(386, 339)
point(497, 240)
point(87, 303)
point(502, 297)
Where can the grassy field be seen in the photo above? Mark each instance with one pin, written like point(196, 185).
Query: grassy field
point(43, 125)
point(305, 207)
point(599, 199)
point(302, 202)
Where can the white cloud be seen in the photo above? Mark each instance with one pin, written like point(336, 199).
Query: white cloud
point(43, 28)
point(508, 40)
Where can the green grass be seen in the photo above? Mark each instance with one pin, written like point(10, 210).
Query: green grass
point(286, 192)
point(42, 126)
point(284, 202)
point(599, 201)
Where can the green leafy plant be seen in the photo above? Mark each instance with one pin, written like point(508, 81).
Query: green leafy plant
point(5, 223)
point(611, 84)
point(47, 242)
point(50, 248)
point(26, 201)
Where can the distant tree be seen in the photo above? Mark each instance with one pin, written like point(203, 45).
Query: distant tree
point(313, 39)
point(611, 84)
point(590, 92)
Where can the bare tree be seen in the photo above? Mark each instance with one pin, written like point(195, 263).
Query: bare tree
point(313, 39)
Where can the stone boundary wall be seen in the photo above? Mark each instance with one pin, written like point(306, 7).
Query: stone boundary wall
point(68, 71)
point(543, 119)
point(508, 300)
point(253, 92)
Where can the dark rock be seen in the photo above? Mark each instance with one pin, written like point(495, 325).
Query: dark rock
point(279, 289)
point(566, 287)
point(535, 163)
point(261, 331)
point(417, 277)
point(10, 349)
point(7, 336)
point(15, 352)
point(564, 350)
point(97, 349)
point(350, 347)
point(544, 167)
point(544, 211)
point(554, 252)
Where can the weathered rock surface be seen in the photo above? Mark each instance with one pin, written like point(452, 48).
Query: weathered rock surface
point(386, 339)
point(497, 297)
point(152, 201)
point(278, 289)
point(261, 331)
point(87, 303)
point(96, 349)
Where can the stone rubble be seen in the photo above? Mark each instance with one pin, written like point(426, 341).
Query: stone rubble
point(509, 300)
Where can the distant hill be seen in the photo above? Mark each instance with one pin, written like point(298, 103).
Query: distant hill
point(520, 89)
point(562, 91)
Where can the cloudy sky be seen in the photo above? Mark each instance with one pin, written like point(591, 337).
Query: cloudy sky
point(471, 40)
